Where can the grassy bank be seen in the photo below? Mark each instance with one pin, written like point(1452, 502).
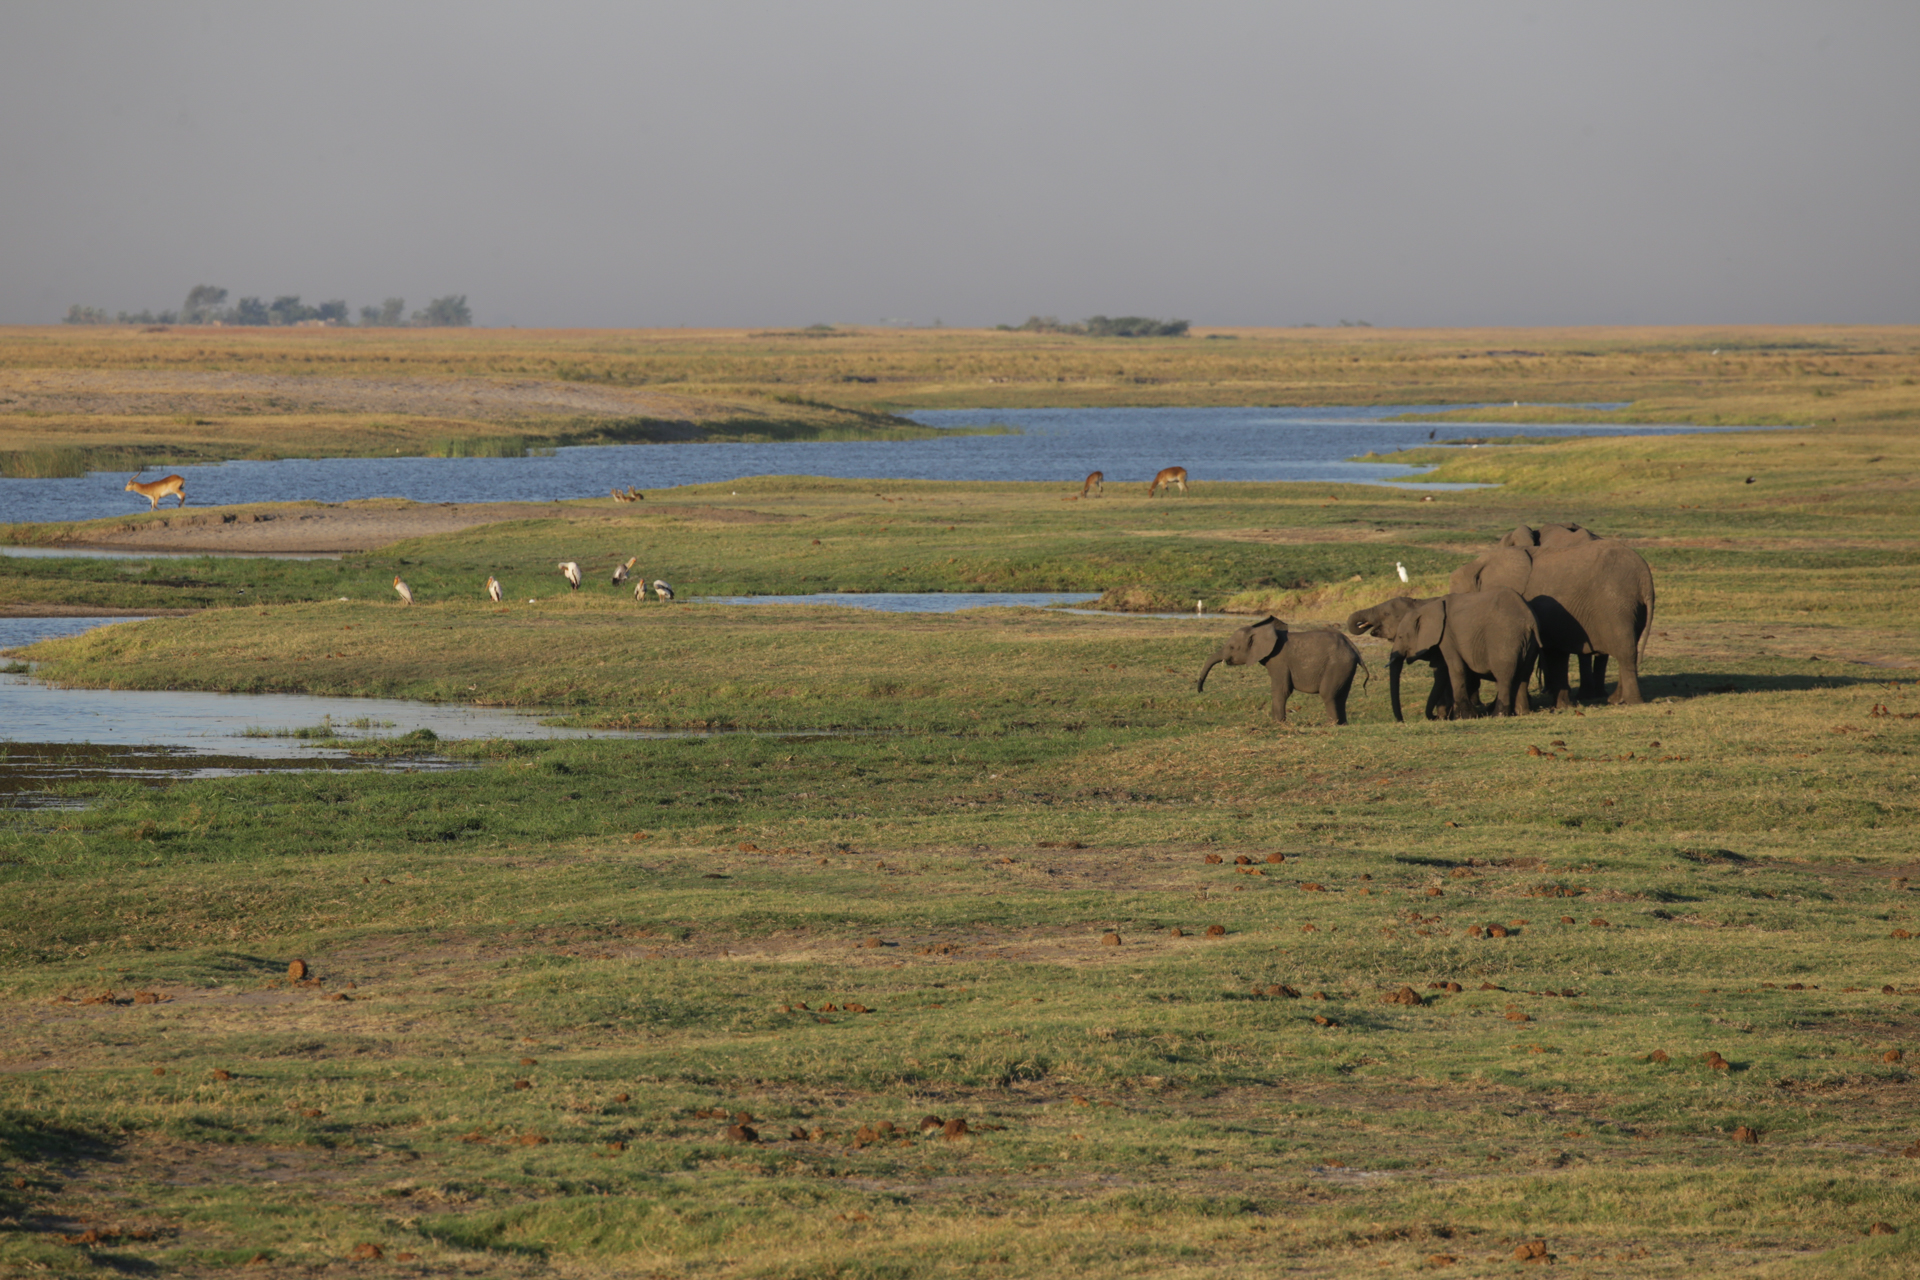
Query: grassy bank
point(975, 883)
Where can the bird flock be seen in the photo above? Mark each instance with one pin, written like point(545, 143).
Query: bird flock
point(570, 570)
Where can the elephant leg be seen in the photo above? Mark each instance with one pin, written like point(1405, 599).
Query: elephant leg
point(1282, 690)
point(1627, 691)
point(1466, 689)
point(1553, 679)
point(1593, 677)
point(1440, 700)
point(1333, 693)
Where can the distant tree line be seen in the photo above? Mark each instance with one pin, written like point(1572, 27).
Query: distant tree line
point(207, 304)
point(1103, 327)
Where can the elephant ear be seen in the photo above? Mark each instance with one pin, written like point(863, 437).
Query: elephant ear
point(1428, 624)
point(1265, 638)
point(1522, 536)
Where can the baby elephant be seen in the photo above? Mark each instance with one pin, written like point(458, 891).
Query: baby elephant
point(1319, 662)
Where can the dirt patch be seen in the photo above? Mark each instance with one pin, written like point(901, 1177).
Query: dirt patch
point(306, 528)
point(1832, 644)
point(32, 610)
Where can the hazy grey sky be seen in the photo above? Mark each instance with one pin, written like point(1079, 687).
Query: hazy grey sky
point(784, 163)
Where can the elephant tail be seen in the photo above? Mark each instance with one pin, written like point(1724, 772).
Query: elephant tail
point(1646, 627)
point(1361, 659)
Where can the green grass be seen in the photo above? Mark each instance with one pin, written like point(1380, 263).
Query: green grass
point(984, 798)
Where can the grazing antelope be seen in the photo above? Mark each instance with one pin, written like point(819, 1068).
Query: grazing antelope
point(494, 593)
point(406, 592)
point(631, 495)
point(1092, 487)
point(154, 490)
point(571, 572)
point(662, 590)
point(1169, 478)
point(620, 571)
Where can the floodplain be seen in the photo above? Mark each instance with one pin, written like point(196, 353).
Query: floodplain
point(1187, 992)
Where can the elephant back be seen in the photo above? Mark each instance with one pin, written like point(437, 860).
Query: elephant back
point(1506, 567)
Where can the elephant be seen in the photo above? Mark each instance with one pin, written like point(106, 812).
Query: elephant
point(1598, 599)
point(1475, 635)
point(1321, 662)
point(1554, 537)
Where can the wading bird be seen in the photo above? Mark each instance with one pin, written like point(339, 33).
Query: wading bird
point(494, 593)
point(406, 592)
point(571, 572)
point(640, 590)
point(662, 590)
point(620, 571)
point(1402, 568)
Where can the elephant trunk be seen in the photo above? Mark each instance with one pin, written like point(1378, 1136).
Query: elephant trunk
point(1394, 663)
point(1206, 670)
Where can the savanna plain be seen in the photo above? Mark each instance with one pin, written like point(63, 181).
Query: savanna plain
point(980, 944)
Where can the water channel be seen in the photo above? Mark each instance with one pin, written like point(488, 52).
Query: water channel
point(1060, 445)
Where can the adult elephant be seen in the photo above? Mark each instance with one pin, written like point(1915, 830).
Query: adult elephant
point(1554, 537)
point(1473, 635)
point(1593, 596)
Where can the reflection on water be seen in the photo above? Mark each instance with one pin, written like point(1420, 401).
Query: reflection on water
point(1060, 445)
point(30, 771)
point(219, 723)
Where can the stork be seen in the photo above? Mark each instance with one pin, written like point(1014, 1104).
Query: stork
point(620, 571)
point(662, 590)
point(571, 572)
point(494, 593)
point(640, 590)
point(406, 592)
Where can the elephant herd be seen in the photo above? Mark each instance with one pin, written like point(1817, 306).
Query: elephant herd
point(1533, 601)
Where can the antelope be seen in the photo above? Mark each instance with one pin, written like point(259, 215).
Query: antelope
point(1092, 486)
point(1169, 478)
point(631, 495)
point(154, 490)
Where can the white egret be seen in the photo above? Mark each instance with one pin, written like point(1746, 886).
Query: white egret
point(406, 592)
point(494, 593)
point(620, 571)
point(571, 572)
point(662, 590)
point(1402, 568)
